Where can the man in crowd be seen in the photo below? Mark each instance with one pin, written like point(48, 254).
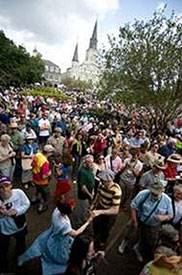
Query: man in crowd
point(148, 210)
point(86, 183)
point(105, 206)
point(41, 173)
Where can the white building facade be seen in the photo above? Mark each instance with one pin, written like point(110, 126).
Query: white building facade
point(89, 70)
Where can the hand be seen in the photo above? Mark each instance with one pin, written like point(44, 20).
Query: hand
point(160, 218)
point(12, 154)
point(12, 212)
point(96, 213)
point(3, 211)
point(100, 255)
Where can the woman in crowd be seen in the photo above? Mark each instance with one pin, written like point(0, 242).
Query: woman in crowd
point(54, 244)
point(28, 150)
point(7, 157)
point(13, 206)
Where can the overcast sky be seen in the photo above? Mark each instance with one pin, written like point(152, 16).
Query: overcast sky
point(54, 26)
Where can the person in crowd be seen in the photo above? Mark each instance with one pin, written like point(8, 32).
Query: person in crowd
point(57, 141)
point(44, 128)
point(77, 152)
point(98, 166)
point(148, 210)
point(54, 244)
point(152, 155)
point(132, 169)
point(28, 131)
point(149, 177)
point(99, 145)
point(114, 163)
point(17, 141)
point(86, 184)
point(84, 262)
point(165, 261)
point(13, 206)
point(7, 157)
point(171, 172)
point(137, 140)
point(28, 150)
point(168, 149)
point(41, 173)
point(177, 206)
point(105, 207)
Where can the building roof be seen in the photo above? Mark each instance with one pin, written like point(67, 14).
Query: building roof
point(50, 63)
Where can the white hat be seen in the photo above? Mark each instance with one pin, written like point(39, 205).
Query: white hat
point(48, 148)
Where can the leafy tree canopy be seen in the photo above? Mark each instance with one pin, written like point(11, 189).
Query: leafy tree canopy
point(77, 84)
point(17, 67)
point(143, 66)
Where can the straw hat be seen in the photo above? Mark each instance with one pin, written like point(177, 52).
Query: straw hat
point(175, 158)
point(29, 136)
point(157, 187)
point(13, 125)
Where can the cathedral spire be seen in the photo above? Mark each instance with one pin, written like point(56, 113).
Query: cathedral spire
point(93, 39)
point(75, 56)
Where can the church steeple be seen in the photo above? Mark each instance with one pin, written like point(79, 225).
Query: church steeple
point(93, 39)
point(75, 56)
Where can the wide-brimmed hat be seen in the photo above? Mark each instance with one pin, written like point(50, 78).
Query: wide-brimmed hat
point(48, 148)
point(13, 125)
point(106, 175)
point(29, 136)
point(175, 158)
point(157, 187)
point(159, 163)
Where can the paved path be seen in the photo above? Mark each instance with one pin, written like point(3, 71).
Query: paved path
point(115, 264)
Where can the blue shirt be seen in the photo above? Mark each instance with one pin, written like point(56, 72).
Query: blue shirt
point(144, 209)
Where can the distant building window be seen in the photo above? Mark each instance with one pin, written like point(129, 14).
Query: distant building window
point(52, 68)
point(47, 67)
point(57, 70)
point(50, 77)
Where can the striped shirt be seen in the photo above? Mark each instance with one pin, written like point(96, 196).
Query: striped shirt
point(109, 196)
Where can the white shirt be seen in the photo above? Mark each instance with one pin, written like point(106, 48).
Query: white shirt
point(18, 201)
point(44, 123)
point(178, 211)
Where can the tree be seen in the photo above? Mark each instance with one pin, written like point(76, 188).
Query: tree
point(72, 83)
point(17, 67)
point(143, 67)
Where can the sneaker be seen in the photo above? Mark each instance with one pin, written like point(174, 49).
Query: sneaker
point(136, 249)
point(122, 246)
point(42, 208)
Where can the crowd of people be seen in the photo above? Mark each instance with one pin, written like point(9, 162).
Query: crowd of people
point(116, 162)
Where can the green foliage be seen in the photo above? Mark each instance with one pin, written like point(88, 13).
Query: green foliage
point(143, 66)
point(46, 92)
point(72, 83)
point(17, 67)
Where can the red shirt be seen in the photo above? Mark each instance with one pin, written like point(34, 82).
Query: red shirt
point(170, 171)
